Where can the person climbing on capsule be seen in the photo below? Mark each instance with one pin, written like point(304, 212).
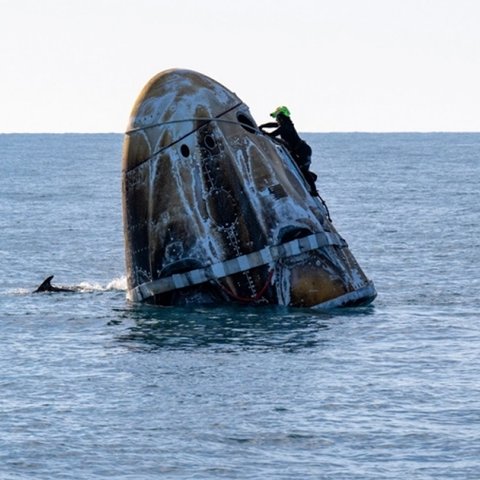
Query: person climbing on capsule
point(298, 148)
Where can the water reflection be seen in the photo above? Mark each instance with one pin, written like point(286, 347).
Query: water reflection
point(227, 327)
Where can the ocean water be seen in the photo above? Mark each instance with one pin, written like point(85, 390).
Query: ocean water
point(94, 387)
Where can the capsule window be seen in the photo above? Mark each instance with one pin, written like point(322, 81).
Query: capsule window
point(293, 233)
point(184, 150)
point(209, 142)
point(246, 122)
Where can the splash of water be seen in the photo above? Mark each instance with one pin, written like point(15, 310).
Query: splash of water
point(119, 283)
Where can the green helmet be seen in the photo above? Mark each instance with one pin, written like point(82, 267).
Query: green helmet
point(283, 110)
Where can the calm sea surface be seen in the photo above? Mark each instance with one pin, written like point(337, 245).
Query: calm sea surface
point(92, 387)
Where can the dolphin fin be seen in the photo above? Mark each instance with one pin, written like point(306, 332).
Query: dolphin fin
point(46, 285)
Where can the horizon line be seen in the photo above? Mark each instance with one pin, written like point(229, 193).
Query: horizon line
point(302, 132)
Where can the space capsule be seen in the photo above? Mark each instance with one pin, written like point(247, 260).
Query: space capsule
point(216, 211)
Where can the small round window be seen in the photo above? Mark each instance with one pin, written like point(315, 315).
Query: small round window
point(184, 150)
point(209, 142)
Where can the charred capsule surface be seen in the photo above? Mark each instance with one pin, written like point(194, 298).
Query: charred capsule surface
point(216, 211)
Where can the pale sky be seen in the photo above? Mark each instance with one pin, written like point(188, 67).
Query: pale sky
point(339, 65)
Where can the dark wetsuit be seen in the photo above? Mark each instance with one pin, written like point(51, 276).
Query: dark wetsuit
point(299, 149)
